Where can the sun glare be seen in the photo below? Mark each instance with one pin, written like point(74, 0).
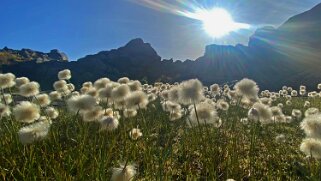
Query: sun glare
point(217, 22)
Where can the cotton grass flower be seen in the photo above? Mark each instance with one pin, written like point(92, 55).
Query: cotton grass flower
point(26, 112)
point(71, 87)
point(60, 86)
point(123, 80)
point(222, 105)
point(296, 113)
point(307, 104)
point(303, 92)
point(54, 95)
point(81, 103)
point(6, 98)
point(101, 83)
point(105, 93)
point(135, 133)
point(129, 113)
point(120, 92)
point(29, 89)
point(51, 112)
point(151, 97)
point(191, 92)
point(311, 111)
point(170, 106)
point(42, 100)
point(294, 93)
point(311, 126)
point(4, 110)
point(262, 112)
point(94, 114)
point(108, 123)
point(175, 115)
point(87, 84)
point(205, 114)
point(276, 111)
point(311, 147)
point(92, 92)
point(64, 74)
point(215, 89)
point(7, 80)
point(21, 81)
point(136, 100)
point(247, 88)
point(173, 94)
point(135, 85)
point(34, 132)
point(124, 173)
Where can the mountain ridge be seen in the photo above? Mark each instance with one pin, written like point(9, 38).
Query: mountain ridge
point(288, 54)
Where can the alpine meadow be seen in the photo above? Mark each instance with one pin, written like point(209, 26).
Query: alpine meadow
point(160, 90)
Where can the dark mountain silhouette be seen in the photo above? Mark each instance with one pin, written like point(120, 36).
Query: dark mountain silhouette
point(10, 56)
point(287, 55)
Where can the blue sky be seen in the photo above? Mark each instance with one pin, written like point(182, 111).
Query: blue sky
point(81, 27)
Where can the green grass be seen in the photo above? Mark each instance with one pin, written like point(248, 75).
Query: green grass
point(76, 150)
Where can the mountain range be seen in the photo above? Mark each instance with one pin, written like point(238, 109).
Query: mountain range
point(287, 55)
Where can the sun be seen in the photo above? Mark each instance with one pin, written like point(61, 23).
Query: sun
point(217, 22)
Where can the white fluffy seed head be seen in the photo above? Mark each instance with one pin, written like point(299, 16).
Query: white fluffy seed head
point(120, 92)
point(101, 83)
point(93, 115)
point(222, 105)
point(296, 113)
point(173, 94)
point(123, 80)
point(6, 98)
point(7, 80)
point(136, 100)
point(124, 173)
point(34, 132)
point(4, 110)
point(60, 86)
point(215, 89)
point(312, 126)
point(135, 85)
point(190, 92)
point(175, 115)
point(64, 74)
point(135, 133)
point(311, 111)
point(87, 84)
point(21, 80)
point(54, 95)
point(71, 87)
point(29, 89)
point(170, 106)
point(92, 92)
point(128, 113)
point(276, 111)
point(247, 88)
point(51, 112)
point(26, 112)
point(264, 113)
point(311, 147)
point(42, 100)
point(81, 103)
point(108, 123)
point(205, 114)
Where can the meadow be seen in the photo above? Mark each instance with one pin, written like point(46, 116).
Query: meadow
point(124, 130)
